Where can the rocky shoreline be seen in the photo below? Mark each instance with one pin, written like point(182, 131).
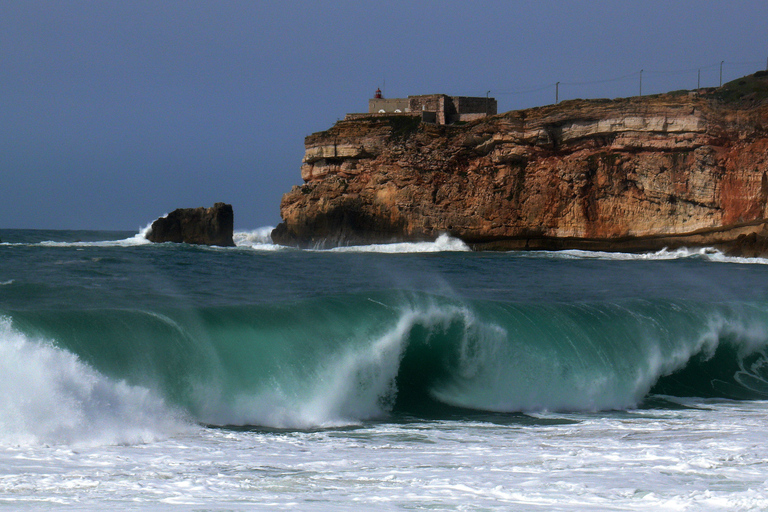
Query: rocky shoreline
point(685, 169)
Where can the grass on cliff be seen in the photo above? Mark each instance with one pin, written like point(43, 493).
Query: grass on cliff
point(747, 88)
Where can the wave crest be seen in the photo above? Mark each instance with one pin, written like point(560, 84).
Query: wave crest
point(332, 361)
point(47, 395)
point(443, 243)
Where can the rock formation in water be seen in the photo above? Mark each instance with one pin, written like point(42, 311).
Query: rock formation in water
point(202, 226)
point(633, 174)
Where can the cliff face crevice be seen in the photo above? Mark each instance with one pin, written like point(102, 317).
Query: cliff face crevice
point(627, 174)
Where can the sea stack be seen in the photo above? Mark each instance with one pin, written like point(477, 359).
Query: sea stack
point(201, 226)
point(688, 168)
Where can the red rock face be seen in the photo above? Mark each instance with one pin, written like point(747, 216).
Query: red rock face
point(630, 174)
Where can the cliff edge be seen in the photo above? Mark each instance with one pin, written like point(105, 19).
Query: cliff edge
point(632, 174)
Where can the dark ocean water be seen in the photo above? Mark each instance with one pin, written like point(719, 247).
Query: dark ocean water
point(103, 335)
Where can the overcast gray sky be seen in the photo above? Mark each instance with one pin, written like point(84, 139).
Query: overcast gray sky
point(113, 113)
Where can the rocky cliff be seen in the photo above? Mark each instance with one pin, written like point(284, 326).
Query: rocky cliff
point(634, 174)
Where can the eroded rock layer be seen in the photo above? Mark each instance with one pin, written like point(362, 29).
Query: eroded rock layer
point(630, 174)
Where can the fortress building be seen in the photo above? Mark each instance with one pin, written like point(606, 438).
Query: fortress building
point(433, 108)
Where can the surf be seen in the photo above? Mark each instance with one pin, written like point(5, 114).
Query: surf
point(341, 360)
point(50, 396)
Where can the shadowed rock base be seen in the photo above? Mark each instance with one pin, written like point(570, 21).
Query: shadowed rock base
point(748, 241)
point(200, 226)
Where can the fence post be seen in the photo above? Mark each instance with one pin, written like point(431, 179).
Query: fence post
point(721, 73)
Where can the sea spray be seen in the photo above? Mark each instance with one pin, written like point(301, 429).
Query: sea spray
point(48, 395)
point(258, 239)
point(139, 238)
point(443, 243)
point(353, 382)
point(355, 385)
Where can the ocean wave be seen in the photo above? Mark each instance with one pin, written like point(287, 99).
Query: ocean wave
point(333, 361)
point(444, 243)
point(258, 239)
point(139, 238)
point(49, 396)
point(261, 240)
point(699, 253)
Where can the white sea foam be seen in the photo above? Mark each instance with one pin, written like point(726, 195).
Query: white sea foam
point(710, 457)
point(701, 253)
point(259, 239)
point(49, 396)
point(444, 243)
point(139, 238)
point(143, 232)
point(661, 255)
point(722, 258)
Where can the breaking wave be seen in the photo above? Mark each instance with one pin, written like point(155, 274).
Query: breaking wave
point(259, 239)
point(683, 253)
point(50, 396)
point(444, 243)
point(123, 375)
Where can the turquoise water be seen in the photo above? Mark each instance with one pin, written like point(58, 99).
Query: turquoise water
point(109, 341)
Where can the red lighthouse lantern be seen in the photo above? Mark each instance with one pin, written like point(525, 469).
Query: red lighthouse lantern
point(377, 95)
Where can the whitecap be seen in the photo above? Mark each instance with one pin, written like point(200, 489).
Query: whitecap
point(700, 253)
point(444, 243)
point(49, 396)
point(139, 238)
point(259, 239)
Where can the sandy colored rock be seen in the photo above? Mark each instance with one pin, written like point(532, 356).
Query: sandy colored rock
point(629, 174)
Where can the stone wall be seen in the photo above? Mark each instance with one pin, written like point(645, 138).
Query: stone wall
point(475, 105)
point(426, 102)
point(450, 109)
point(353, 117)
point(434, 108)
point(388, 105)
